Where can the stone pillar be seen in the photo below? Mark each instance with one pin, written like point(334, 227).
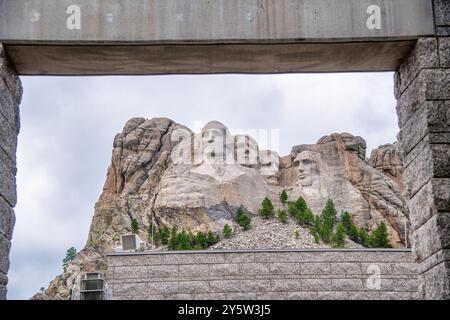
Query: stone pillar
point(10, 96)
point(422, 87)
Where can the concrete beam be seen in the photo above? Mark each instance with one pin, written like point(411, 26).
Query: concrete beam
point(154, 36)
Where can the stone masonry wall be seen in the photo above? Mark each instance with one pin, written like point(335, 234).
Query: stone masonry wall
point(10, 96)
point(422, 87)
point(290, 274)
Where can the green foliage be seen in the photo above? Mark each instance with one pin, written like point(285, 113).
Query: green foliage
point(187, 240)
point(301, 205)
point(201, 241)
point(173, 241)
point(282, 215)
point(243, 219)
point(349, 226)
point(329, 214)
point(70, 255)
point(363, 237)
point(164, 235)
point(296, 234)
point(315, 230)
point(283, 197)
point(323, 225)
point(134, 226)
point(292, 209)
point(212, 238)
point(183, 242)
point(379, 237)
point(267, 210)
point(227, 232)
point(338, 239)
point(346, 220)
point(353, 233)
point(300, 212)
point(305, 218)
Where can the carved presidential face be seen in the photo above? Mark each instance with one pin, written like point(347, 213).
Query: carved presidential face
point(307, 167)
point(214, 142)
point(270, 163)
point(246, 149)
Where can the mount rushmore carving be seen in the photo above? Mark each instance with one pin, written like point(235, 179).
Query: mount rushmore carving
point(163, 172)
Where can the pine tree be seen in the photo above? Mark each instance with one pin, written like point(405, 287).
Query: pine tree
point(267, 210)
point(173, 241)
point(201, 241)
point(338, 238)
point(329, 214)
point(164, 235)
point(308, 217)
point(70, 255)
point(282, 216)
point(346, 220)
point(301, 205)
point(134, 226)
point(353, 233)
point(379, 237)
point(316, 228)
point(363, 237)
point(283, 197)
point(183, 241)
point(212, 238)
point(292, 209)
point(243, 219)
point(227, 231)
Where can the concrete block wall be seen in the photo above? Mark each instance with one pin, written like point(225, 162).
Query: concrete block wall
point(10, 96)
point(288, 274)
point(422, 87)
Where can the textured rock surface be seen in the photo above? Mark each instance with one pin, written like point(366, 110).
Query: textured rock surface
point(163, 172)
point(10, 96)
point(272, 234)
point(336, 168)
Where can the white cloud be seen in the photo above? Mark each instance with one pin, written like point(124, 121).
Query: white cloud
point(68, 125)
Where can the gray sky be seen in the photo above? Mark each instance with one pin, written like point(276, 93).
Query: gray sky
point(68, 126)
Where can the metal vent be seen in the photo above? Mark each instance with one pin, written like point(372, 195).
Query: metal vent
point(130, 242)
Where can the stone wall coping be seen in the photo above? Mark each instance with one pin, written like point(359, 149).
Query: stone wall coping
point(115, 254)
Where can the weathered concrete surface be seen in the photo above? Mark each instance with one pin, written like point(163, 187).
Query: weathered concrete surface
point(423, 93)
point(290, 274)
point(10, 95)
point(180, 36)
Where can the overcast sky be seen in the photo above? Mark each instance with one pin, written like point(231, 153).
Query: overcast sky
point(68, 126)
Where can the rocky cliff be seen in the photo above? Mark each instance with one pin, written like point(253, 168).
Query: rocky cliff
point(163, 172)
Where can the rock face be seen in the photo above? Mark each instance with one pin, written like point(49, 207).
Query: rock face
point(163, 172)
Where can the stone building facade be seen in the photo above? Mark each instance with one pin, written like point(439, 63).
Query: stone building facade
point(10, 96)
point(422, 89)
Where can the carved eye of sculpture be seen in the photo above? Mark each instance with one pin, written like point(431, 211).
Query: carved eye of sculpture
point(306, 161)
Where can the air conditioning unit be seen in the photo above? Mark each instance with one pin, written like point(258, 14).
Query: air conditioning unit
point(131, 242)
point(92, 286)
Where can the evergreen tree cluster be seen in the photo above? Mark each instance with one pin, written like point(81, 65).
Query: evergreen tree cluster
point(324, 224)
point(188, 241)
point(159, 235)
point(301, 213)
point(379, 238)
